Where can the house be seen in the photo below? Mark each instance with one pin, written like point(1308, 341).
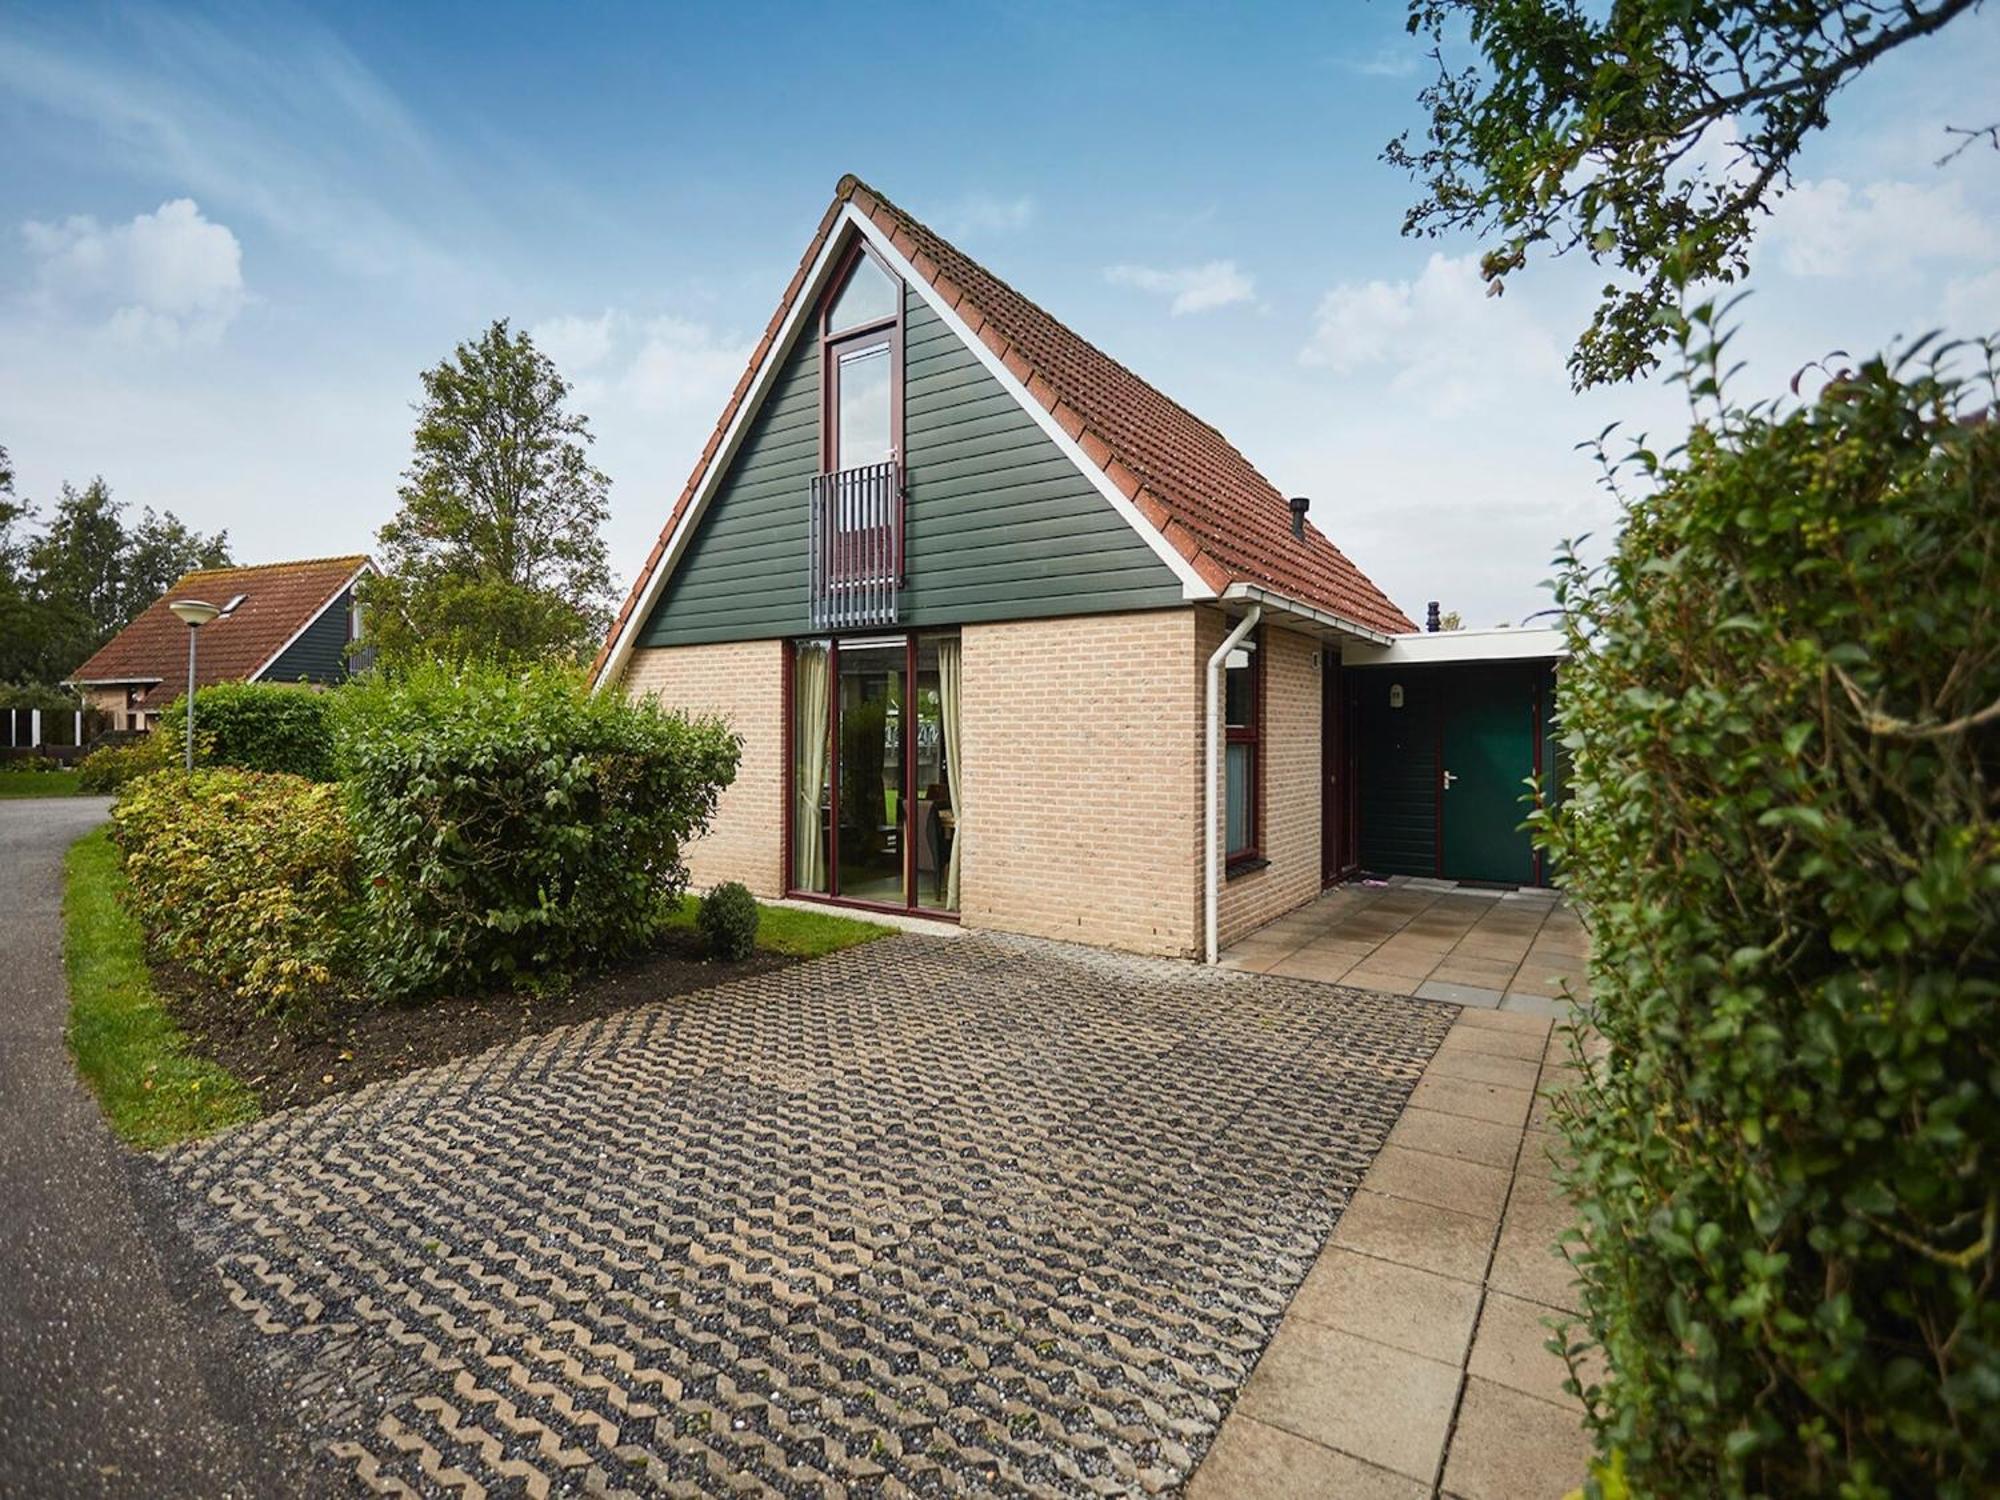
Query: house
point(1015, 640)
point(280, 622)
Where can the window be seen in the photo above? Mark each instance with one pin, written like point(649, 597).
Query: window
point(873, 776)
point(1243, 722)
point(861, 343)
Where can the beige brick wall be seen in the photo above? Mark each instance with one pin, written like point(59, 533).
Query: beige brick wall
point(1083, 788)
point(1291, 782)
point(744, 683)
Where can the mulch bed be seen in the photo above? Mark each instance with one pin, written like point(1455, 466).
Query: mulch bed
point(351, 1043)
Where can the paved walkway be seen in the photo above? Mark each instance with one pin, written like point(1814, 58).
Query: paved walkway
point(100, 1392)
point(1520, 950)
point(990, 1215)
point(1413, 1362)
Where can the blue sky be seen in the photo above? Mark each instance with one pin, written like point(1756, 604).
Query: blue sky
point(231, 236)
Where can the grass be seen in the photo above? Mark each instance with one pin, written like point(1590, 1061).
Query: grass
point(801, 934)
point(126, 1044)
point(38, 783)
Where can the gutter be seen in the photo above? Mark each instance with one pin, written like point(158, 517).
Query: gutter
point(1211, 738)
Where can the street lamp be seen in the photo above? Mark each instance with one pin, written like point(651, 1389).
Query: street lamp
point(193, 613)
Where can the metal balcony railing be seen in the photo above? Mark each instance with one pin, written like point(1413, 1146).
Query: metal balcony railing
point(857, 546)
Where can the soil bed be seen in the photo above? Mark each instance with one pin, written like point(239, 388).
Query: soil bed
point(362, 1042)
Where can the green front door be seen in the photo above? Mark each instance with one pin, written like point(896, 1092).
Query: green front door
point(1489, 754)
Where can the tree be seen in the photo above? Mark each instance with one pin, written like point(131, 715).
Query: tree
point(1649, 134)
point(67, 591)
point(497, 550)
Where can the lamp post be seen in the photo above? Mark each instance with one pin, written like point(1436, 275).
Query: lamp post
point(194, 613)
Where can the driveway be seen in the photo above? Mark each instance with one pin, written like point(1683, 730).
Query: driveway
point(990, 1215)
point(102, 1388)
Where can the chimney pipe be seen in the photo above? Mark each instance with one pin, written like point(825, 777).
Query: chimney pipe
point(1299, 505)
point(1431, 621)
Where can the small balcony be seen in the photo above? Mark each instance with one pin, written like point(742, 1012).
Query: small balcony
point(857, 546)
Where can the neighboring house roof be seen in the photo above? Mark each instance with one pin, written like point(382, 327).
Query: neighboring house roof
point(279, 601)
point(1182, 477)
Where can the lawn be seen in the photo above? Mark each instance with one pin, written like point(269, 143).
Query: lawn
point(795, 933)
point(38, 783)
point(152, 1089)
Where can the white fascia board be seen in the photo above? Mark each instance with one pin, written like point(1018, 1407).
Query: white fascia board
point(1309, 615)
point(725, 454)
point(110, 682)
point(1193, 585)
point(311, 620)
point(1437, 648)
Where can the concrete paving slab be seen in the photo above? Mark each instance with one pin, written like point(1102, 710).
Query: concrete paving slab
point(1392, 1304)
point(1386, 1406)
point(1253, 1460)
point(1512, 1447)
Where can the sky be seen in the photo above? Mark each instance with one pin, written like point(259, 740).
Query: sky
point(231, 236)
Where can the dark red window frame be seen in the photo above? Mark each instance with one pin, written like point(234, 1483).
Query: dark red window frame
point(887, 331)
point(1252, 735)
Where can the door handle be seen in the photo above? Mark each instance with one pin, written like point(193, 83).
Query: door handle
point(1449, 778)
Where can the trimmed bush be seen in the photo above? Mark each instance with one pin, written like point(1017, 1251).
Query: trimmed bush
point(514, 823)
point(728, 921)
point(108, 770)
point(1782, 825)
point(257, 726)
point(245, 878)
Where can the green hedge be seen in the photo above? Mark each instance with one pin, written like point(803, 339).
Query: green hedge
point(257, 726)
point(1782, 825)
point(514, 825)
point(245, 877)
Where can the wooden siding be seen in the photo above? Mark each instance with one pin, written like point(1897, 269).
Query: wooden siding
point(999, 525)
point(320, 653)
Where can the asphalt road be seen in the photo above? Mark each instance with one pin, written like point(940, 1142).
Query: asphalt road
point(101, 1387)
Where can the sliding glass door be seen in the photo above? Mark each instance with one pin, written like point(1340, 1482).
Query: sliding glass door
point(873, 771)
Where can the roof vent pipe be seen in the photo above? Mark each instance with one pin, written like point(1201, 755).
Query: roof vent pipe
point(1432, 623)
point(1299, 506)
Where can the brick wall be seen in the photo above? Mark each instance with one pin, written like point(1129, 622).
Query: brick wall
point(744, 683)
point(1082, 800)
point(1291, 782)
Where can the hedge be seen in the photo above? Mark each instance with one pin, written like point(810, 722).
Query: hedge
point(246, 878)
point(257, 726)
point(1783, 710)
point(513, 824)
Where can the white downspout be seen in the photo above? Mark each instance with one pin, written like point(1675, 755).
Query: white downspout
point(1211, 739)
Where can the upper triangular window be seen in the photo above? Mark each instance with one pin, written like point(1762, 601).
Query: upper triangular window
point(870, 296)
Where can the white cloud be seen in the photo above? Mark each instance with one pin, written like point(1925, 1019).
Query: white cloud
point(1972, 304)
point(1218, 283)
point(576, 344)
point(1445, 342)
point(1832, 228)
point(652, 365)
point(986, 213)
point(681, 364)
point(158, 278)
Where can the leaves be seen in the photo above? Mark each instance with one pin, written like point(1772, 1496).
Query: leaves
point(1650, 137)
point(1786, 1167)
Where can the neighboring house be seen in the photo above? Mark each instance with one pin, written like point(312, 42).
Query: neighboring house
point(281, 622)
point(959, 578)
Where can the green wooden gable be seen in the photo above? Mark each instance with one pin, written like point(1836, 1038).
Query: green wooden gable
point(998, 524)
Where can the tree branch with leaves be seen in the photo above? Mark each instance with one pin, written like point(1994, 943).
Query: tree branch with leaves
point(1651, 136)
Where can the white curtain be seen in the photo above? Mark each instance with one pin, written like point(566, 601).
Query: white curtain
point(809, 689)
point(950, 671)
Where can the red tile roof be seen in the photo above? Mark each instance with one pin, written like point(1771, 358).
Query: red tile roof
point(279, 600)
point(1185, 478)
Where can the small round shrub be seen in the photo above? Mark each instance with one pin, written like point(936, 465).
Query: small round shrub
point(728, 921)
